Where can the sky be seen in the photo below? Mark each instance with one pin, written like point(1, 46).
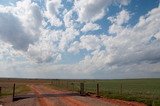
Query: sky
point(80, 39)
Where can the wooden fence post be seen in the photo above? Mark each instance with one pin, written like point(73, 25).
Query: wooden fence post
point(153, 102)
point(82, 89)
point(0, 91)
point(98, 90)
point(121, 89)
point(72, 86)
point(13, 92)
point(67, 84)
point(59, 83)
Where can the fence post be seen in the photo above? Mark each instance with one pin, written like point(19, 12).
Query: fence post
point(121, 89)
point(67, 84)
point(59, 83)
point(98, 90)
point(72, 86)
point(82, 89)
point(13, 92)
point(153, 102)
point(0, 91)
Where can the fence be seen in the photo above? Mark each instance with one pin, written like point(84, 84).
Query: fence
point(133, 90)
point(146, 91)
point(14, 90)
point(6, 90)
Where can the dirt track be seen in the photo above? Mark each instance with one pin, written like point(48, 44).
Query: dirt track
point(60, 98)
point(50, 97)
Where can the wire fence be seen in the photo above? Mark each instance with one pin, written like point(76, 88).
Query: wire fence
point(13, 89)
point(145, 91)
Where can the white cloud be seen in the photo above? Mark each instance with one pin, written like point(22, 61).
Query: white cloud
point(121, 18)
point(52, 12)
point(37, 16)
point(21, 27)
point(131, 46)
point(129, 52)
point(88, 42)
point(20, 24)
point(12, 31)
point(29, 15)
point(123, 2)
point(46, 49)
point(68, 19)
point(118, 21)
point(68, 36)
point(90, 27)
point(74, 47)
point(28, 46)
point(55, 21)
point(53, 6)
point(91, 10)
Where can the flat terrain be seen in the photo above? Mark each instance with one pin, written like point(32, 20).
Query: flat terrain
point(45, 96)
point(65, 92)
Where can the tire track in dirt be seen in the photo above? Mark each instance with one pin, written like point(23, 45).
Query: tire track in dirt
point(60, 99)
point(69, 101)
point(43, 101)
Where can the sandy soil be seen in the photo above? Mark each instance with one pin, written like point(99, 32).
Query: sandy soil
point(49, 97)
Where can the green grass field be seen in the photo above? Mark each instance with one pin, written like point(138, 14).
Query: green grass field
point(140, 90)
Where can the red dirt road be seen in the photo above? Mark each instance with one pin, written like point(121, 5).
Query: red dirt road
point(65, 100)
point(50, 97)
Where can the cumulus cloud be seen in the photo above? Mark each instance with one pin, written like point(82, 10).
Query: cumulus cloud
point(121, 18)
point(123, 2)
point(90, 27)
point(46, 49)
point(12, 31)
point(29, 15)
point(68, 19)
point(88, 42)
point(92, 10)
point(118, 21)
point(36, 39)
point(37, 16)
point(131, 45)
point(53, 6)
point(68, 36)
point(129, 51)
point(20, 24)
point(52, 12)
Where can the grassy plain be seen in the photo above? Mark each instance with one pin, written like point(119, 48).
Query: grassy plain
point(140, 90)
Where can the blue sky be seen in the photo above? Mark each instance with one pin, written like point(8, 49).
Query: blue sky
point(80, 39)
